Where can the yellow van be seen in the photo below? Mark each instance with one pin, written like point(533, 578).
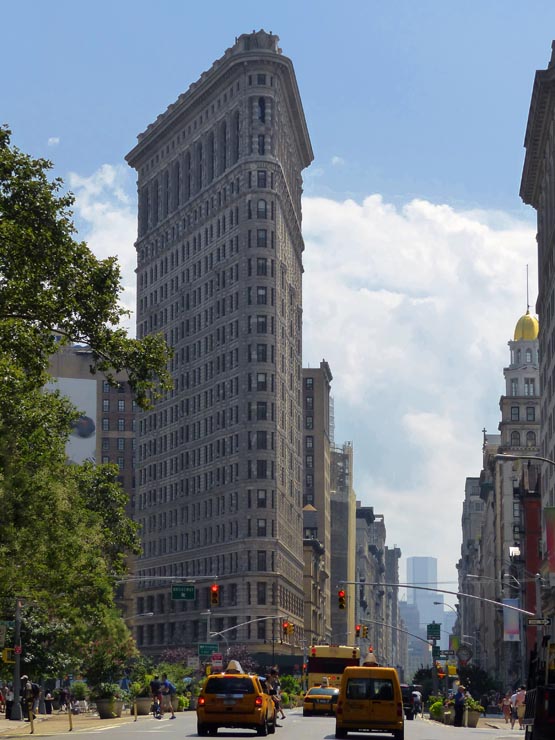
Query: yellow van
point(370, 699)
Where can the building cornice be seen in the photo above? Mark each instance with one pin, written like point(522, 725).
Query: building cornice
point(537, 132)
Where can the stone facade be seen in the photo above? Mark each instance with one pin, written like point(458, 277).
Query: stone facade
point(219, 273)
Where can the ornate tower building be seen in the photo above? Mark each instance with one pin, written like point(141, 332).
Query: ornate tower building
point(219, 272)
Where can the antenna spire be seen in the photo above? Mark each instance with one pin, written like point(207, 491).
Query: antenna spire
point(527, 293)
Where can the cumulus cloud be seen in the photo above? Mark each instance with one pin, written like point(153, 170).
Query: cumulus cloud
point(53, 141)
point(337, 161)
point(413, 307)
point(106, 214)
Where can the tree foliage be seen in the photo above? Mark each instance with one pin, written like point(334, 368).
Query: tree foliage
point(63, 529)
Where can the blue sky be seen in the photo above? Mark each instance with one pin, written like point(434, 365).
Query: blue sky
point(414, 229)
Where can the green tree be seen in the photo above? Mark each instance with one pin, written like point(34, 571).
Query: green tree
point(63, 529)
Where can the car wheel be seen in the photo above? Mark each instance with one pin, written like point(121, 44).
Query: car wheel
point(213, 730)
point(262, 729)
point(340, 733)
point(410, 715)
point(202, 729)
point(399, 735)
point(272, 726)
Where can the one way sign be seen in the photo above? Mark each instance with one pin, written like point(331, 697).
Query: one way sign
point(539, 622)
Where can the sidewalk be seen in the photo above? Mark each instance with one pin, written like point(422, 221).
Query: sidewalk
point(56, 724)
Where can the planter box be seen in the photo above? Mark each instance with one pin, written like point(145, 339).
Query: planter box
point(109, 708)
point(472, 718)
point(143, 705)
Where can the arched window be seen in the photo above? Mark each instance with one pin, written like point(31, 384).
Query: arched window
point(261, 208)
point(515, 439)
point(262, 110)
point(530, 439)
point(518, 356)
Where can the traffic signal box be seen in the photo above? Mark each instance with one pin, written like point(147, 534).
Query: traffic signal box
point(285, 627)
point(214, 595)
point(7, 655)
point(365, 631)
point(341, 599)
point(357, 630)
point(290, 628)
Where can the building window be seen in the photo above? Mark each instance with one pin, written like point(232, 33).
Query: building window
point(105, 443)
point(106, 405)
point(262, 324)
point(262, 469)
point(515, 413)
point(121, 444)
point(261, 498)
point(261, 353)
point(309, 422)
point(528, 355)
point(261, 209)
point(105, 386)
point(309, 481)
point(262, 238)
point(309, 442)
point(121, 405)
point(261, 178)
point(309, 383)
point(260, 79)
point(261, 295)
point(261, 528)
point(261, 382)
point(261, 144)
point(261, 440)
point(309, 401)
point(514, 386)
point(121, 425)
point(529, 387)
point(309, 461)
point(121, 463)
point(530, 439)
point(261, 560)
point(261, 410)
point(530, 413)
point(105, 459)
point(105, 425)
point(261, 266)
point(262, 110)
point(515, 439)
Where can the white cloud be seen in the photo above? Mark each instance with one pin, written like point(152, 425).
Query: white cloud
point(337, 161)
point(53, 141)
point(412, 307)
point(107, 217)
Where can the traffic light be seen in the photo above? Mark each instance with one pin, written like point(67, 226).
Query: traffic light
point(357, 630)
point(290, 628)
point(285, 627)
point(365, 631)
point(214, 595)
point(341, 598)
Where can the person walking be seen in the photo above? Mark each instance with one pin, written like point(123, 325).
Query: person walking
point(276, 692)
point(505, 706)
point(459, 700)
point(168, 691)
point(520, 706)
point(156, 691)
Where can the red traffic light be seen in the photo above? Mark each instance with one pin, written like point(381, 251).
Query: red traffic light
point(285, 627)
point(341, 598)
point(214, 594)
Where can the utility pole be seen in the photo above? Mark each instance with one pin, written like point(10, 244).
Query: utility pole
point(16, 707)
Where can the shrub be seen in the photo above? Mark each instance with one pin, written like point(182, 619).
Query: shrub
point(79, 690)
point(437, 709)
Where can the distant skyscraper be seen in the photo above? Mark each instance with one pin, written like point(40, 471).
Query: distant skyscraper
point(422, 571)
point(219, 272)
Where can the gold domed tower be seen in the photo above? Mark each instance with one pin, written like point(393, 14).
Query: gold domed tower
point(527, 327)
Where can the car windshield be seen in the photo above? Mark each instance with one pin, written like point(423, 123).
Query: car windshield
point(229, 685)
point(322, 690)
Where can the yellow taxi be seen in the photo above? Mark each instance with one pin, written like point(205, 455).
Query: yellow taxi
point(237, 700)
point(320, 700)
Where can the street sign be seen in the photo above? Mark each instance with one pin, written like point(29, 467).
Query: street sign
point(446, 653)
point(539, 622)
point(193, 662)
point(435, 651)
point(8, 622)
point(432, 631)
point(205, 649)
point(183, 591)
point(217, 661)
point(17, 649)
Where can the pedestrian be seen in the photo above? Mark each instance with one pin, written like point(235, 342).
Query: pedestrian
point(64, 699)
point(9, 701)
point(513, 709)
point(505, 706)
point(168, 692)
point(459, 706)
point(276, 687)
point(48, 699)
point(520, 706)
point(30, 693)
point(156, 691)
